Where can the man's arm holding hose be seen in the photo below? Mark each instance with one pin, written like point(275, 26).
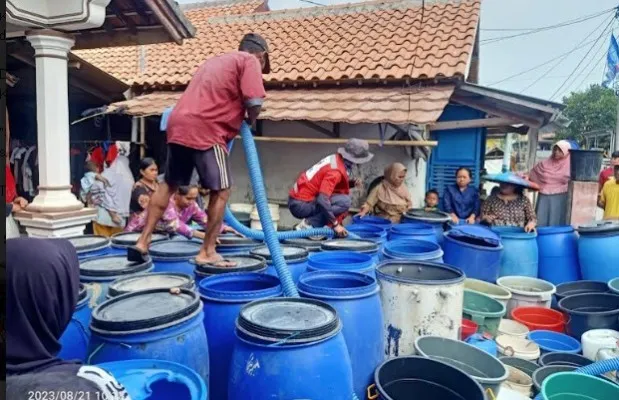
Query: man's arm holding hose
point(329, 182)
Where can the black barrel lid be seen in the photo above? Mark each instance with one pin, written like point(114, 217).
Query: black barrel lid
point(599, 227)
point(145, 310)
point(131, 238)
point(150, 280)
point(111, 266)
point(230, 240)
point(311, 245)
point(360, 245)
point(244, 263)
point(86, 243)
point(288, 320)
point(175, 249)
point(291, 253)
point(429, 216)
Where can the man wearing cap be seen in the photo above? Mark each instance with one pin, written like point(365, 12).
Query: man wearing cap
point(222, 93)
point(321, 195)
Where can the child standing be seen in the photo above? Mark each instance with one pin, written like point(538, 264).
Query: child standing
point(431, 200)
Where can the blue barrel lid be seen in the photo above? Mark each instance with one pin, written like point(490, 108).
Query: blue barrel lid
point(291, 253)
point(174, 249)
point(109, 266)
point(475, 232)
point(288, 321)
point(244, 263)
point(88, 243)
point(555, 230)
point(150, 280)
point(419, 272)
point(131, 238)
point(432, 216)
point(360, 245)
point(145, 310)
point(600, 227)
point(144, 378)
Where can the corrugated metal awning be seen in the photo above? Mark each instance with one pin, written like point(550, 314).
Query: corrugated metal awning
point(397, 105)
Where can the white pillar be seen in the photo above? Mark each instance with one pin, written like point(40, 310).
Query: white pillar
point(51, 53)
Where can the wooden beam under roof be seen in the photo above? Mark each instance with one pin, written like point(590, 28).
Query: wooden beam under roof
point(123, 18)
point(472, 123)
point(489, 108)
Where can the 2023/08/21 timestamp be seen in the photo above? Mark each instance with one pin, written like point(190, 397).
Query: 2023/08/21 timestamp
point(66, 395)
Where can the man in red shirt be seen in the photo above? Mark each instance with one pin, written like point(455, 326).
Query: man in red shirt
point(208, 116)
point(321, 195)
point(609, 172)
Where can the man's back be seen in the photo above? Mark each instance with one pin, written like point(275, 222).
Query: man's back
point(211, 110)
point(610, 196)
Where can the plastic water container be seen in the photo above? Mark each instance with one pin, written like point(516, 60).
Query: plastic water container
point(174, 255)
point(595, 340)
point(572, 385)
point(91, 245)
point(122, 240)
point(74, 340)
point(474, 249)
point(590, 311)
point(233, 244)
point(484, 311)
point(585, 165)
point(418, 231)
point(558, 254)
point(500, 294)
point(520, 255)
point(150, 280)
point(523, 348)
point(597, 263)
point(243, 263)
point(368, 231)
point(435, 218)
point(289, 348)
point(151, 324)
point(409, 249)
point(518, 381)
point(355, 298)
point(539, 318)
point(527, 291)
point(488, 345)
point(255, 218)
point(364, 246)
point(295, 257)
point(383, 223)
point(342, 261)
point(549, 341)
point(512, 328)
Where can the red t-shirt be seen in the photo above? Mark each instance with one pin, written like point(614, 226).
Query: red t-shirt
point(327, 177)
point(605, 175)
point(212, 108)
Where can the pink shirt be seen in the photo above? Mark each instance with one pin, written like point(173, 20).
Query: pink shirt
point(212, 108)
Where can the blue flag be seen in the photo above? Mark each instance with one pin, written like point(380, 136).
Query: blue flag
point(612, 62)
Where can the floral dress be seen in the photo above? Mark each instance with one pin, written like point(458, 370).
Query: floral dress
point(517, 212)
point(172, 221)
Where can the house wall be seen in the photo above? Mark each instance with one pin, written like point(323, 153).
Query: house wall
point(282, 162)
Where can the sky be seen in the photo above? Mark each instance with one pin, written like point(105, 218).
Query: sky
point(573, 55)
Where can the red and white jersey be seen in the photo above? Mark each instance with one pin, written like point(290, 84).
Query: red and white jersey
point(328, 176)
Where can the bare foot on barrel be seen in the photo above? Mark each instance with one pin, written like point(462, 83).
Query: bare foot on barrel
point(216, 260)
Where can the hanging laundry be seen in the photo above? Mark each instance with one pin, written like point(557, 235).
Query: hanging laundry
point(163, 125)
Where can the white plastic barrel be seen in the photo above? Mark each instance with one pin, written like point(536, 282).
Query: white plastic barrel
point(595, 340)
point(255, 218)
point(527, 292)
point(245, 208)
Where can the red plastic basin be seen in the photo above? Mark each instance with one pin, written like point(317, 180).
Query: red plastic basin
point(468, 328)
point(540, 318)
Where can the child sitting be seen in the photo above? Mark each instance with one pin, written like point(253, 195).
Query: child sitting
point(431, 200)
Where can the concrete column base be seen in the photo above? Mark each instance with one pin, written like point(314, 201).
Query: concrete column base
point(61, 224)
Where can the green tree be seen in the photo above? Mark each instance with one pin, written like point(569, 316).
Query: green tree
point(590, 110)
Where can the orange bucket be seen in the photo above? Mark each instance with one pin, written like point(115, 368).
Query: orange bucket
point(540, 318)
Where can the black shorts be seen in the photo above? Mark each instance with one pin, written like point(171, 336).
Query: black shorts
point(212, 165)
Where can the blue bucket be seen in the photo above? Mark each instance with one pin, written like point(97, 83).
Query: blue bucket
point(550, 341)
point(151, 324)
point(289, 348)
point(475, 250)
point(342, 261)
point(91, 245)
point(295, 257)
point(520, 254)
point(355, 298)
point(99, 272)
point(223, 297)
point(558, 254)
point(174, 255)
point(409, 249)
point(157, 380)
point(364, 246)
point(416, 231)
point(74, 340)
point(244, 263)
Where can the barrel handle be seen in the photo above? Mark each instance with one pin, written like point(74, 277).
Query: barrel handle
point(491, 394)
point(414, 294)
point(478, 319)
point(374, 395)
point(509, 351)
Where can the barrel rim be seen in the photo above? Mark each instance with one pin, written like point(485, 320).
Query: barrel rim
point(301, 257)
point(545, 293)
point(543, 360)
point(305, 287)
point(117, 240)
point(402, 228)
point(93, 247)
point(413, 263)
point(565, 300)
point(572, 375)
point(441, 216)
point(320, 260)
point(554, 230)
point(565, 339)
point(158, 255)
point(503, 297)
point(211, 269)
point(562, 293)
point(135, 267)
point(372, 220)
point(370, 246)
point(490, 314)
point(228, 296)
point(449, 238)
point(599, 229)
point(514, 232)
point(112, 290)
point(544, 370)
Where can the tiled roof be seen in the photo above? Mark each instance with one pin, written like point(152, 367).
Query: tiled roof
point(350, 105)
point(376, 40)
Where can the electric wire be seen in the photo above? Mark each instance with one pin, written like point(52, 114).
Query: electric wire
point(598, 57)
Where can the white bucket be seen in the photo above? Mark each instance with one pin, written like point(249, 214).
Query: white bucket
point(518, 381)
point(500, 294)
point(527, 292)
point(255, 217)
point(512, 346)
point(245, 208)
point(512, 328)
point(598, 339)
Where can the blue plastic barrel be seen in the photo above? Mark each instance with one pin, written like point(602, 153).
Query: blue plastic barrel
point(312, 245)
point(74, 340)
point(342, 261)
point(355, 298)
point(150, 280)
point(364, 246)
point(223, 296)
point(98, 272)
point(151, 324)
point(558, 254)
point(475, 250)
point(289, 348)
point(295, 256)
point(174, 255)
point(597, 251)
point(383, 223)
point(409, 249)
point(233, 244)
point(157, 380)
point(91, 245)
point(122, 240)
point(370, 232)
point(435, 218)
point(244, 263)
point(416, 231)
point(520, 254)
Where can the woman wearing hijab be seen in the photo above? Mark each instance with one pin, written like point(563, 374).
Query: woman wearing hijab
point(553, 176)
point(41, 295)
point(390, 199)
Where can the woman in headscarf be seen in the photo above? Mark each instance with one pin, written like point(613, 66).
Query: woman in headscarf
point(41, 294)
point(390, 199)
point(553, 176)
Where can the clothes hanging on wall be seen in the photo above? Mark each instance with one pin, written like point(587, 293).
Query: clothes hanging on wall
point(23, 162)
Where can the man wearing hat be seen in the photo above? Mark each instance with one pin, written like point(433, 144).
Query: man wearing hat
point(321, 195)
point(222, 93)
